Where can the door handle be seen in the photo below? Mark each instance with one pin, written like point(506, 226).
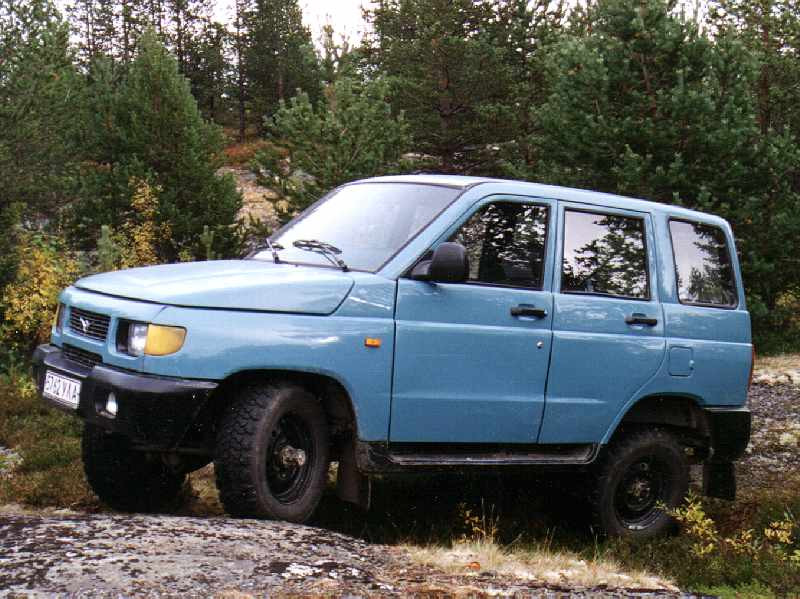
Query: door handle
point(528, 310)
point(639, 318)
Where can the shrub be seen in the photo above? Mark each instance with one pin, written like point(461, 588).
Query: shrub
point(146, 127)
point(29, 300)
point(351, 134)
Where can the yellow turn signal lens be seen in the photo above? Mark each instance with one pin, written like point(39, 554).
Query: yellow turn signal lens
point(163, 340)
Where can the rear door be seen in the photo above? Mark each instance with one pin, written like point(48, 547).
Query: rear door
point(707, 324)
point(471, 358)
point(608, 330)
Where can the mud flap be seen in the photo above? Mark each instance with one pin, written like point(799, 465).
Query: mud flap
point(352, 485)
point(719, 480)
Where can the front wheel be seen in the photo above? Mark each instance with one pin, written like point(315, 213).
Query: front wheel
point(126, 479)
point(271, 457)
point(641, 474)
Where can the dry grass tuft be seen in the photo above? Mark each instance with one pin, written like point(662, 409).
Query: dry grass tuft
point(783, 368)
point(541, 565)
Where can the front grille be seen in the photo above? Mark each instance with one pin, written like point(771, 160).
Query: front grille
point(88, 324)
point(81, 356)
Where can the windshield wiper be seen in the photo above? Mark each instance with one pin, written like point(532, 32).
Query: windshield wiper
point(331, 252)
point(272, 247)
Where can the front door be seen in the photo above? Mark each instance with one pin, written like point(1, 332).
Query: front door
point(608, 325)
point(471, 358)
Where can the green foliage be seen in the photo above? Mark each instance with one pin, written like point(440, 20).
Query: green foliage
point(207, 241)
point(148, 128)
point(437, 59)
point(278, 56)
point(10, 216)
point(39, 98)
point(206, 67)
point(44, 268)
point(109, 253)
point(641, 103)
point(48, 441)
point(770, 29)
point(351, 134)
point(464, 72)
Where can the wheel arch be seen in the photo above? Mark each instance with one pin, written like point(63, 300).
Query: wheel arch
point(681, 413)
point(335, 397)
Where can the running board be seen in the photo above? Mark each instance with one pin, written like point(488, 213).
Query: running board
point(380, 457)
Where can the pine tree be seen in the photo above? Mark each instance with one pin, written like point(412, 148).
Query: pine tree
point(643, 104)
point(154, 132)
point(207, 67)
point(770, 30)
point(456, 67)
point(279, 57)
point(40, 96)
point(240, 91)
point(350, 134)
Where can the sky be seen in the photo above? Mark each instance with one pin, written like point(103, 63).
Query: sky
point(344, 15)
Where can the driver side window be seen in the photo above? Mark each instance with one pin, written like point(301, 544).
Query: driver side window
point(506, 243)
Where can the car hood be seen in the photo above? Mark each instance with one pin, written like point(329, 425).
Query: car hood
point(231, 284)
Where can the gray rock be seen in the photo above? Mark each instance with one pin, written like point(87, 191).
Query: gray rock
point(77, 555)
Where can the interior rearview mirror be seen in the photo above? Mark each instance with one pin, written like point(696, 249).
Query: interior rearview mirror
point(449, 264)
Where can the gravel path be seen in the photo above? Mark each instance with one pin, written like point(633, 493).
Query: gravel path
point(774, 450)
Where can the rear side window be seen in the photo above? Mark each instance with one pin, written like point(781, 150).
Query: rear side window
point(505, 242)
point(702, 264)
point(604, 254)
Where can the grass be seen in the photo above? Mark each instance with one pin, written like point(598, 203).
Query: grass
point(49, 444)
point(535, 563)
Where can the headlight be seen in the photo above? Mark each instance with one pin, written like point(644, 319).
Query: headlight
point(153, 339)
point(58, 320)
point(137, 338)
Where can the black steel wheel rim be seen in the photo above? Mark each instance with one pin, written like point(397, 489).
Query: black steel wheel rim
point(287, 482)
point(641, 493)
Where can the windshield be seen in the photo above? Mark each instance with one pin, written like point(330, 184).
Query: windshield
point(367, 222)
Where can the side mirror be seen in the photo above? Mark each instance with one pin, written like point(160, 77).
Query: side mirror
point(449, 264)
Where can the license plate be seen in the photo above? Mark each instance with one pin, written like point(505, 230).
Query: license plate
point(64, 390)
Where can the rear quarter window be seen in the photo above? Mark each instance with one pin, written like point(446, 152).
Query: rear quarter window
point(703, 269)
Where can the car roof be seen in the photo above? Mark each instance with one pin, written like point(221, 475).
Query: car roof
point(555, 192)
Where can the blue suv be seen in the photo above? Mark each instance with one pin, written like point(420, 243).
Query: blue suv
point(420, 322)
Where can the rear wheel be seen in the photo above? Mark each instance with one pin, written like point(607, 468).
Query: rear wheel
point(125, 479)
point(272, 453)
point(640, 475)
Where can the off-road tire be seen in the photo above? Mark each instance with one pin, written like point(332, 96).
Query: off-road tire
point(252, 481)
point(125, 479)
point(644, 459)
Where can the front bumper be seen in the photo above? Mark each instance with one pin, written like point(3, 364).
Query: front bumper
point(154, 412)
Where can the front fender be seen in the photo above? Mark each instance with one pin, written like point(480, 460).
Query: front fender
point(220, 343)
